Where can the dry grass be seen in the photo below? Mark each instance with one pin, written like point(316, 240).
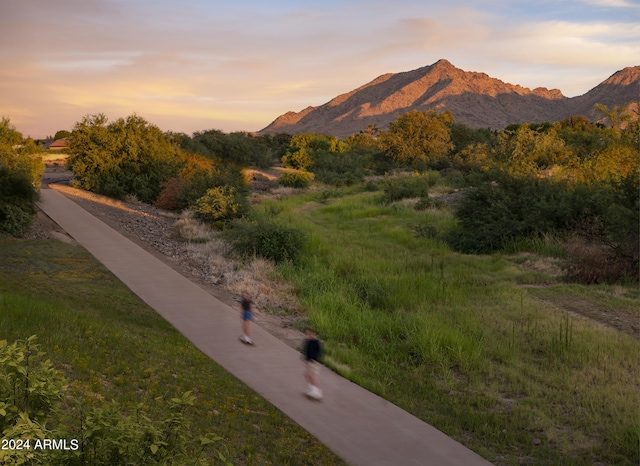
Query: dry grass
point(260, 280)
point(193, 230)
point(257, 277)
point(596, 263)
point(54, 157)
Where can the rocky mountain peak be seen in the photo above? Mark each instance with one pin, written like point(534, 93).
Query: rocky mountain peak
point(475, 99)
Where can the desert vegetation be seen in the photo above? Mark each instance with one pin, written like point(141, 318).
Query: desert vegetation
point(20, 170)
point(462, 341)
point(479, 345)
point(412, 252)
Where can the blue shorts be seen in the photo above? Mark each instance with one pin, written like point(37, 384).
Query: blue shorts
point(247, 315)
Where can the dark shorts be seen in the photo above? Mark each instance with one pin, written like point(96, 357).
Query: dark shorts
point(247, 315)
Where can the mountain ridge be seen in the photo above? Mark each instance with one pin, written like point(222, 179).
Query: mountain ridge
point(475, 99)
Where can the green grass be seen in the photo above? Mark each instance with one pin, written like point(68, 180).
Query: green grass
point(455, 339)
point(113, 346)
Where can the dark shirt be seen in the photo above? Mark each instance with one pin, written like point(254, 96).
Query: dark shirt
point(246, 304)
point(312, 350)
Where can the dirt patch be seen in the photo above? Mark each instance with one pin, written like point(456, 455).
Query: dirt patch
point(621, 320)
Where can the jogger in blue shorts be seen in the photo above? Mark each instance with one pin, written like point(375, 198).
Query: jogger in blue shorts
point(247, 318)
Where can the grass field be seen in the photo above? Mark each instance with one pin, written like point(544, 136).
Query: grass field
point(112, 346)
point(462, 341)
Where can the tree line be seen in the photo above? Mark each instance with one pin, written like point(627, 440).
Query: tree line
point(568, 177)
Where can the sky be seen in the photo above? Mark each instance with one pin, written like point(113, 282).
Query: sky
point(195, 65)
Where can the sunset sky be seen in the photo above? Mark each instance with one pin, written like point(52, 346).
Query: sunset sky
point(236, 65)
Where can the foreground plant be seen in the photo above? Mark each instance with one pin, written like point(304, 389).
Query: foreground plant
point(85, 430)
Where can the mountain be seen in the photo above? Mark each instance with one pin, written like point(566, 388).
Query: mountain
point(622, 88)
point(475, 99)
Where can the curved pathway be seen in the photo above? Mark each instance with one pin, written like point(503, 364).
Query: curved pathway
point(359, 426)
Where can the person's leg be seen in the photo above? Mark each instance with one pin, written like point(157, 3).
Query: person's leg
point(314, 380)
point(246, 327)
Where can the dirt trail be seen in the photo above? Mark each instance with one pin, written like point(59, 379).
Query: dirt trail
point(623, 320)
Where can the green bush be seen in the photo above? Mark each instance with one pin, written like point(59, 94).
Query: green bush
point(296, 179)
point(239, 147)
point(28, 383)
point(396, 189)
point(340, 168)
point(422, 230)
point(427, 203)
point(14, 220)
point(298, 159)
point(127, 156)
point(32, 396)
point(17, 200)
point(267, 239)
point(201, 174)
point(220, 204)
point(497, 213)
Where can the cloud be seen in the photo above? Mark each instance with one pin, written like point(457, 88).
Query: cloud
point(614, 3)
point(246, 62)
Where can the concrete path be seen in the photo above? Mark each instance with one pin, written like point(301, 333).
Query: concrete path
point(359, 426)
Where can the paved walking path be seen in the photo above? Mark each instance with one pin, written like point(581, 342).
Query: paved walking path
point(359, 426)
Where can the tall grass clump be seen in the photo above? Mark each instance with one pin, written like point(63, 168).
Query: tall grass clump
point(271, 240)
point(398, 188)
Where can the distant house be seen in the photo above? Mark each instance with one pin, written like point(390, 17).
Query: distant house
point(59, 144)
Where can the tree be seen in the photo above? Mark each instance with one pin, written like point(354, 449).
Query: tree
point(62, 134)
point(618, 116)
point(418, 137)
point(20, 170)
point(527, 152)
point(8, 133)
point(238, 147)
point(127, 156)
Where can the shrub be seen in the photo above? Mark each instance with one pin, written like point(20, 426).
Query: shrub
point(591, 263)
point(201, 173)
point(17, 201)
point(169, 197)
point(396, 189)
point(497, 213)
point(298, 159)
point(296, 179)
point(219, 204)
point(422, 230)
point(267, 239)
point(339, 168)
point(14, 220)
point(238, 148)
point(32, 392)
point(28, 383)
point(427, 203)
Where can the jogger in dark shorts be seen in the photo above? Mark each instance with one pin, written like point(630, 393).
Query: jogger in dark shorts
point(311, 358)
